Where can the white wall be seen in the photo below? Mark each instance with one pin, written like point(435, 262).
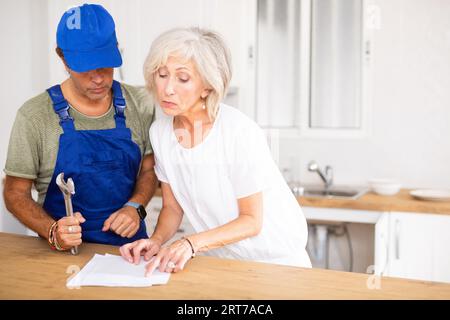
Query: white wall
point(139, 22)
point(410, 106)
point(24, 66)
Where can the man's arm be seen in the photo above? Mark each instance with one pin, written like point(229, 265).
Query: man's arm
point(18, 200)
point(125, 222)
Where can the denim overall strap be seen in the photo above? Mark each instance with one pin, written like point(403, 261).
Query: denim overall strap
point(119, 105)
point(61, 107)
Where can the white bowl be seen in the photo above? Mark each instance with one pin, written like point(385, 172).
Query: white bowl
point(385, 187)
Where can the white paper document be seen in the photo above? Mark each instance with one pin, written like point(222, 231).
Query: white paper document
point(113, 271)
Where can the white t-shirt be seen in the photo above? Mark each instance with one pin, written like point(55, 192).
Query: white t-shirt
point(233, 161)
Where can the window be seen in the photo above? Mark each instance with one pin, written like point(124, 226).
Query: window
point(310, 65)
point(278, 60)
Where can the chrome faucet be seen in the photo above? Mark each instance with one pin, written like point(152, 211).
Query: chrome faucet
point(327, 177)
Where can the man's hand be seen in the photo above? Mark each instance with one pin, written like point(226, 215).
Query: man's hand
point(125, 222)
point(68, 232)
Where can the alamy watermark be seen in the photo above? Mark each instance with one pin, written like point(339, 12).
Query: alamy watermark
point(74, 19)
point(374, 280)
point(73, 271)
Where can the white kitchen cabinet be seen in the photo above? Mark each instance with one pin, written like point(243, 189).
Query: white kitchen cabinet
point(441, 248)
point(341, 215)
point(417, 247)
point(381, 245)
point(406, 245)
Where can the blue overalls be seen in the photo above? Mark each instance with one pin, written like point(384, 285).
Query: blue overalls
point(103, 165)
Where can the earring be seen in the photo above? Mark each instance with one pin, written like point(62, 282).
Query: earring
point(203, 107)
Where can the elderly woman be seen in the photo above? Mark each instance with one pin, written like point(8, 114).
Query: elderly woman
point(214, 165)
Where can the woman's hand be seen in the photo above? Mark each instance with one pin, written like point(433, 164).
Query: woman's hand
point(133, 251)
point(171, 258)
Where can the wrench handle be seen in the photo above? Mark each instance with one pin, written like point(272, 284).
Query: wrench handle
point(68, 203)
point(69, 213)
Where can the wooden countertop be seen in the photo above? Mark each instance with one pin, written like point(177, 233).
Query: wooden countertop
point(30, 270)
point(402, 202)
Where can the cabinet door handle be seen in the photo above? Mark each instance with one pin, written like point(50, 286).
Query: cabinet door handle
point(386, 254)
point(397, 239)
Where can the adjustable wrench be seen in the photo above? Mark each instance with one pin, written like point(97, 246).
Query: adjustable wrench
point(67, 189)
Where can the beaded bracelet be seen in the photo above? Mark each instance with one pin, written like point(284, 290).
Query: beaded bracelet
point(50, 235)
point(55, 241)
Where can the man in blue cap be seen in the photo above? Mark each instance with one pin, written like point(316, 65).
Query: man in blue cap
point(95, 131)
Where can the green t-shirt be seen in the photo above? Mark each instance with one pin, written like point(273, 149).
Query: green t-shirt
point(34, 140)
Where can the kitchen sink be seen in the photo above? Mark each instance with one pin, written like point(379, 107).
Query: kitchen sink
point(338, 192)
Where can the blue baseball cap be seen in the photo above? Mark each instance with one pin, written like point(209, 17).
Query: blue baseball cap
point(87, 38)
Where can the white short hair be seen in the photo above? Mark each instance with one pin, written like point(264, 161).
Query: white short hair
point(205, 48)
